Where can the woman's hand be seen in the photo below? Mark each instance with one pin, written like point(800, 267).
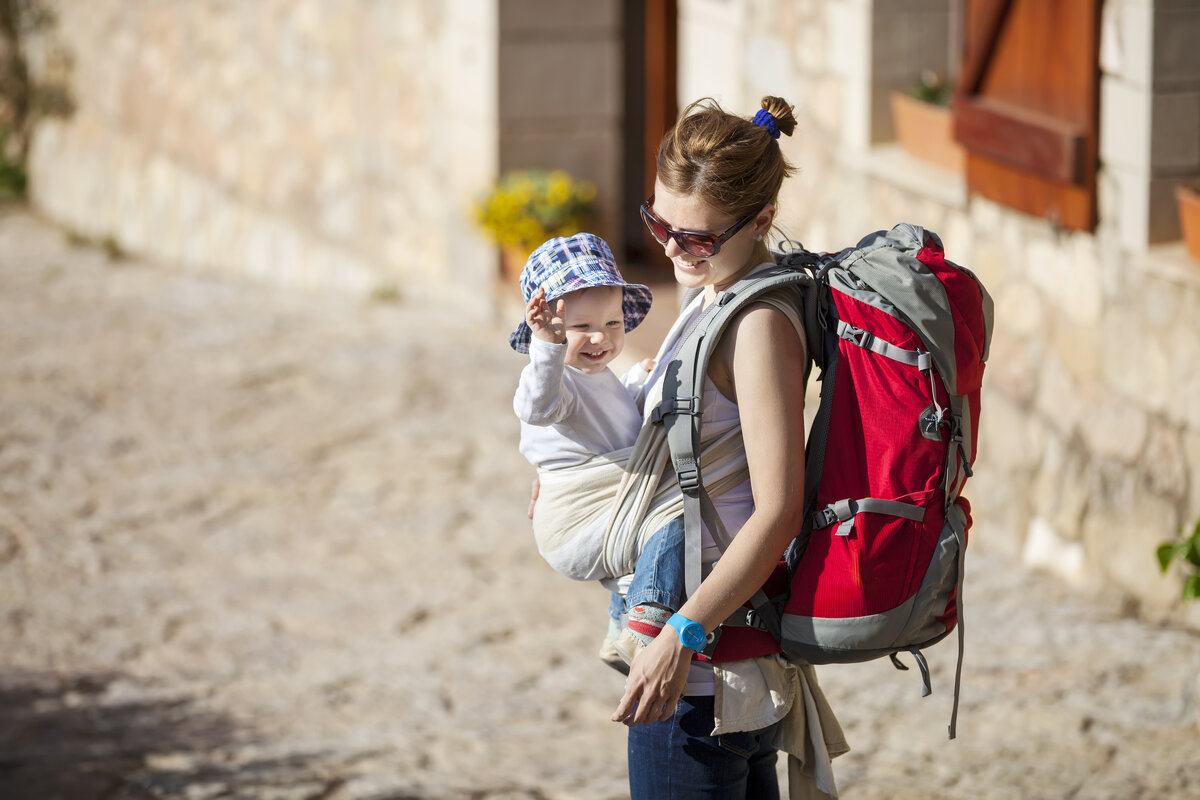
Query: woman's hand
point(656, 682)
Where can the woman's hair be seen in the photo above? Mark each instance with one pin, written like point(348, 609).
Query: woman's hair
point(729, 162)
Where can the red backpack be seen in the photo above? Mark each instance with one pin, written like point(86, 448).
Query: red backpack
point(900, 336)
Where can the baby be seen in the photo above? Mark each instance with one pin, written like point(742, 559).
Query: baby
point(578, 418)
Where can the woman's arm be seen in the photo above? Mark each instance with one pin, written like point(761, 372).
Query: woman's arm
point(760, 364)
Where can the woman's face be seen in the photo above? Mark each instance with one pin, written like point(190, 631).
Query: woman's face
point(738, 255)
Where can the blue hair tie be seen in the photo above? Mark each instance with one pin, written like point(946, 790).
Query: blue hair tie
point(765, 119)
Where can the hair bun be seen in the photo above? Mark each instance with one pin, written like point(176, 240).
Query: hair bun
point(782, 111)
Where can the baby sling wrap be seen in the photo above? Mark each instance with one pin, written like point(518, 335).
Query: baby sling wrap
point(634, 488)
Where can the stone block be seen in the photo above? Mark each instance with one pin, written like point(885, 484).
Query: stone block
point(557, 17)
point(1175, 130)
point(1000, 508)
point(1058, 399)
point(1079, 349)
point(1183, 356)
point(1165, 470)
point(1161, 304)
point(1126, 41)
point(769, 69)
point(1012, 438)
point(1014, 364)
point(1176, 57)
point(1046, 550)
point(1066, 272)
point(707, 27)
point(1061, 489)
point(560, 79)
point(850, 25)
point(1115, 428)
point(1135, 364)
point(1126, 198)
point(1162, 216)
point(1120, 540)
point(1020, 306)
point(990, 261)
point(1190, 442)
point(1125, 123)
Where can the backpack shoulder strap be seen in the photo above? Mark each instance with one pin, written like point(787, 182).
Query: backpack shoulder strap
point(679, 411)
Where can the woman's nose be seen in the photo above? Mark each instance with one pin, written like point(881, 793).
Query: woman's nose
point(672, 248)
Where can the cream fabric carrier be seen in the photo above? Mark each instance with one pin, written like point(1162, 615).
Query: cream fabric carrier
point(634, 489)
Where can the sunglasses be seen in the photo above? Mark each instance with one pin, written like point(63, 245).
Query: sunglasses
point(694, 243)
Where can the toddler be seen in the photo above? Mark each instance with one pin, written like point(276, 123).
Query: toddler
point(578, 419)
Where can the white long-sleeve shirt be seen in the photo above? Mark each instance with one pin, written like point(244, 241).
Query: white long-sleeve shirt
point(569, 416)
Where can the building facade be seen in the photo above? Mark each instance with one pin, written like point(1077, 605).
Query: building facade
point(317, 144)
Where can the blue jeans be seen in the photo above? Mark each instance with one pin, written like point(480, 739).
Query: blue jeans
point(677, 759)
point(658, 577)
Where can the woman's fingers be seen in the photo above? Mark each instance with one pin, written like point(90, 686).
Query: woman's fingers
point(656, 681)
point(625, 707)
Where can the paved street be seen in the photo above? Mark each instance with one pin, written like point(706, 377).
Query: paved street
point(268, 544)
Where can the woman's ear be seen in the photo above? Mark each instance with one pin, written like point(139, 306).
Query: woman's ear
point(762, 222)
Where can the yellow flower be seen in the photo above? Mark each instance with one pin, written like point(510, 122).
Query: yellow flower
point(528, 207)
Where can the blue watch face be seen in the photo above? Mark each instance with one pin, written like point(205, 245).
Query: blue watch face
point(693, 636)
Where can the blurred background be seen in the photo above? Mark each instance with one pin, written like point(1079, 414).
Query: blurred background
point(411, 151)
point(349, 145)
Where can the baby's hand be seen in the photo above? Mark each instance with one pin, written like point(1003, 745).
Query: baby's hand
point(648, 364)
point(546, 324)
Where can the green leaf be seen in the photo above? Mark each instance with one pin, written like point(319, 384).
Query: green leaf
point(1165, 553)
point(1190, 549)
point(1191, 587)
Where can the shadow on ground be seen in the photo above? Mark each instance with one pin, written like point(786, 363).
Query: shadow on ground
point(73, 737)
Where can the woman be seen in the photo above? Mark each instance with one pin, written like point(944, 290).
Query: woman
point(714, 201)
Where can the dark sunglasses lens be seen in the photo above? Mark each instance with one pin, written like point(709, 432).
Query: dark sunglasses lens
point(656, 229)
point(697, 245)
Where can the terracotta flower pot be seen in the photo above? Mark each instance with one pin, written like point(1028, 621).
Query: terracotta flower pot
point(1188, 200)
point(926, 131)
point(512, 261)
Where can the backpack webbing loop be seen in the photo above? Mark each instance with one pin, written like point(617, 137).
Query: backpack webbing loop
point(869, 341)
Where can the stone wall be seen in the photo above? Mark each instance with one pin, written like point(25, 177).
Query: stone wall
point(299, 142)
point(1090, 440)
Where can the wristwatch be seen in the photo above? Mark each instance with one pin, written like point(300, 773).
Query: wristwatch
point(691, 634)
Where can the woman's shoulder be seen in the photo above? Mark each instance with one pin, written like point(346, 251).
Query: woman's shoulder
point(770, 323)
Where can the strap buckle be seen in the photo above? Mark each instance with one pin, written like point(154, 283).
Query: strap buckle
point(824, 518)
point(689, 479)
point(675, 405)
point(754, 621)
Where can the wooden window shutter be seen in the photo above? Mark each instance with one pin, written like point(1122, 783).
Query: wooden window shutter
point(1026, 107)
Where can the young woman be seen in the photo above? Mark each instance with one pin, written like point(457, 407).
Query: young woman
point(714, 202)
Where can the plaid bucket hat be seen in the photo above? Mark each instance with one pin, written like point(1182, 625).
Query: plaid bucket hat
point(569, 263)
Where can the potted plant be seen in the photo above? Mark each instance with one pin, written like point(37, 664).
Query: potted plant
point(1187, 197)
point(526, 207)
point(925, 123)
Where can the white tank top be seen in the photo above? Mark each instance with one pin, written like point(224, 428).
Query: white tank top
point(718, 414)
